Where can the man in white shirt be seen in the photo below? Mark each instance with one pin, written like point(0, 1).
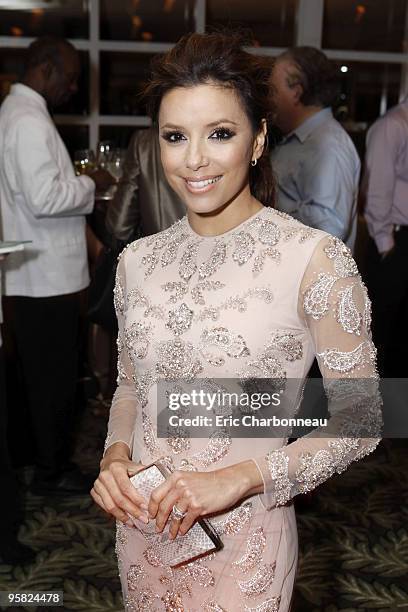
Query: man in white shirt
point(43, 201)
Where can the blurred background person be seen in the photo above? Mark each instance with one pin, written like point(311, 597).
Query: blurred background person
point(144, 203)
point(43, 201)
point(316, 163)
point(12, 551)
point(386, 213)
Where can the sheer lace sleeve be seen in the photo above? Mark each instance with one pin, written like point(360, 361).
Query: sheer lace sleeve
point(124, 404)
point(334, 305)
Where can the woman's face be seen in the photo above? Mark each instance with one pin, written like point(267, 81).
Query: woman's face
point(207, 144)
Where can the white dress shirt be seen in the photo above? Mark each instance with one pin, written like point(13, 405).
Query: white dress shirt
point(41, 200)
point(317, 169)
point(386, 176)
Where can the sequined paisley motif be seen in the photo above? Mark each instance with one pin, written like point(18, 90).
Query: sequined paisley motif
point(259, 582)
point(346, 361)
point(137, 339)
point(270, 605)
point(244, 247)
point(234, 521)
point(232, 344)
point(255, 547)
point(216, 259)
point(176, 360)
point(316, 298)
point(188, 262)
point(135, 575)
point(344, 263)
point(288, 345)
point(179, 319)
point(278, 463)
point(347, 313)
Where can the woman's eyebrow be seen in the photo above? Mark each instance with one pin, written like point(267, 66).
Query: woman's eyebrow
point(172, 126)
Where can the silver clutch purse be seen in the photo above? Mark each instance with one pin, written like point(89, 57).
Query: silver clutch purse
point(201, 538)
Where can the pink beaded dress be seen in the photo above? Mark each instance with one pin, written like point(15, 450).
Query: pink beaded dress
point(261, 300)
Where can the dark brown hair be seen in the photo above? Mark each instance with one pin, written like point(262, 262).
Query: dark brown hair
point(315, 73)
point(219, 58)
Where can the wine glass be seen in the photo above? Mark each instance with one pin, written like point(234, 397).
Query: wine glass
point(115, 162)
point(84, 161)
point(104, 149)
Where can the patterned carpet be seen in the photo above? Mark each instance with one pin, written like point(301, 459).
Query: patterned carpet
point(353, 536)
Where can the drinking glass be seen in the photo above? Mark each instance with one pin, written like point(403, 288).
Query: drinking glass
point(84, 161)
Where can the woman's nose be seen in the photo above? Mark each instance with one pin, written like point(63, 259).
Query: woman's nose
point(196, 156)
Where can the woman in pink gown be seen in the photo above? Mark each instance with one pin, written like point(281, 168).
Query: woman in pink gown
point(233, 290)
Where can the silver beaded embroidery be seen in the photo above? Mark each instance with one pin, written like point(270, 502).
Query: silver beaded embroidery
point(236, 302)
point(197, 291)
point(236, 520)
point(212, 606)
point(232, 344)
point(313, 470)
point(178, 290)
point(316, 297)
point(188, 261)
point(269, 232)
point(137, 339)
point(259, 261)
point(347, 313)
point(288, 344)
point(255, 547)
point(173, 602)
point(137, 298)
point(122, 374)
point(180, 319)
point(200, 573)
point(244, 247)
point(344, 263)
point(176, 360)
point(346, 361)
point(259, 582)
point(215, 261)
point(170, 252)
point(142, 601)
point(270, 605)
point(119, 295)
point(135, 575)
point(278, 463)
point(218, 446)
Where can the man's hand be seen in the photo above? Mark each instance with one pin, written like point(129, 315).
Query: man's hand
point(102, 179)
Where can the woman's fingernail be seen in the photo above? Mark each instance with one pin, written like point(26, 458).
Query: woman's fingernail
point(144, 519)
point(129, 523)
point(143, 507)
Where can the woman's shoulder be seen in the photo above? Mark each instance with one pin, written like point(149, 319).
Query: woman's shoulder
point(307, 247)
point(147, 244)
point(293, 233)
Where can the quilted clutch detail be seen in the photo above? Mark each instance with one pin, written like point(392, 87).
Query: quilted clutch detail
point(201, 538)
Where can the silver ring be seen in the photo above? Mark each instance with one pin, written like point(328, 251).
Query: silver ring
point(177, 513)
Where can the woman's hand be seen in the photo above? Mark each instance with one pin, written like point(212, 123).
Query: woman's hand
point(201, 493)
point(113, 491)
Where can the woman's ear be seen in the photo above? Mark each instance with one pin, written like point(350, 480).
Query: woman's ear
point(260, 140)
